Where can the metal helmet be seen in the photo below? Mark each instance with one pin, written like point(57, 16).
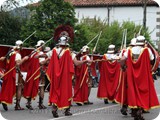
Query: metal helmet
point(140, 40)
point(133, 42)
point(18, 44)
point(85, 48)
point(111, 48)
point(63, 40)
point(40, 43)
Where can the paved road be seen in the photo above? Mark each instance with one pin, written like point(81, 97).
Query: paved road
point(97, 111)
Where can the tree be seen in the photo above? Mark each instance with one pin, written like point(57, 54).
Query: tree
point(111, 34)
point(10, 28)
point(48, 15)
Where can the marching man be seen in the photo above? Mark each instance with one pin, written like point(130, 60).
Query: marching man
point(35, 80)
point(141, 94)
point(109, 76)
point(12, 80)
point(60, 71)
point(83, 82)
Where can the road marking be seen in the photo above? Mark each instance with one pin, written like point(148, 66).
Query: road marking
point(88, 111)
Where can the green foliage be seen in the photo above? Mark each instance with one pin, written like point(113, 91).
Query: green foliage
point(111, 34)
point(10, 28)
point(46, 17)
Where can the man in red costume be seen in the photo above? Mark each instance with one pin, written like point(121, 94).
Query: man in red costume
point(12, 80)
point(83, 82)
point(121, 92)
point(60, 71)
point(141, 92)
point(109, 76)
point(35, 77)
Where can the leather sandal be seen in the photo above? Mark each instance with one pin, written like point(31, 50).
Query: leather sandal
point(29, 107)
point(41, 106)
point(5, 107)
point(55, 114)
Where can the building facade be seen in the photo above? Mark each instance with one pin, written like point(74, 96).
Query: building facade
point(120, 10)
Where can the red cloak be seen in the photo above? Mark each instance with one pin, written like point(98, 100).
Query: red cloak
point(93, 69)
point(59, 72)
point(32, 80)
point(9, 81)
point(81, 85)
point(109, 78)
point(141, 91)
point(121, 92)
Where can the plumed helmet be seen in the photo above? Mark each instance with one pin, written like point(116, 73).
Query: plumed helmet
point(64, 30)
point(63, 40)
point(111, 48)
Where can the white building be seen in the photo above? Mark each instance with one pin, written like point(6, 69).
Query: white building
point(120, 10)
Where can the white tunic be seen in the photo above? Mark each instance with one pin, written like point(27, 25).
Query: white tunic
point(137, 50)
point(60, 52)
point(87, 57)
point(18, 57)
point(110, 56)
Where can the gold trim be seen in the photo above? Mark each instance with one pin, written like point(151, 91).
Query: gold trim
point(61, 108)
point(102, 98)
point(154, 107)
point(33, 98)
point(79, 102)
point(120, 76)
point(6, 103)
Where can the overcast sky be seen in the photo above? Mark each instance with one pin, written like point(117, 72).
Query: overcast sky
point(22, 3)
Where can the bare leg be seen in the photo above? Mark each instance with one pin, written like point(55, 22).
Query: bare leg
point(41, 97)
point(18, 97)
point(28, 105)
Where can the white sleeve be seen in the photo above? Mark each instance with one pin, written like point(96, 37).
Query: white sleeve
point(49, 54)
point(41, 59)
point(120, 54)
point(150, 54)
point(18, 57)
point(88, 58)
point(73, 55)
point(126, 54)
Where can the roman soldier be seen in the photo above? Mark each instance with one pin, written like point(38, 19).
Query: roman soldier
point(141, 94)
point(12, 79)
point(35, 80)
point(121, 92)
point(83, 81)
point(109, 75)
point(60, 70)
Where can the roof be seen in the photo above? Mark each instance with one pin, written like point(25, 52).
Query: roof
point(83, 3)
point(98, 3)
